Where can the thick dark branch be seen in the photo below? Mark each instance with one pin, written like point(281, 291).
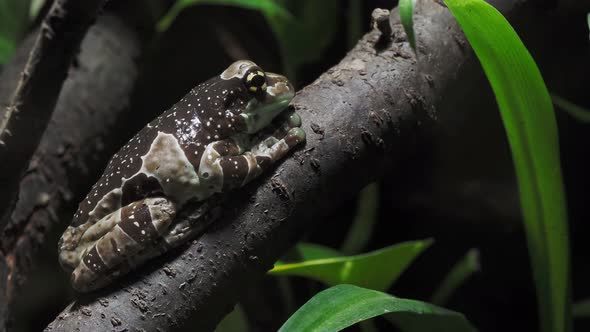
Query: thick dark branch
point(80, 137)
point(362, 116)
point(33, 101)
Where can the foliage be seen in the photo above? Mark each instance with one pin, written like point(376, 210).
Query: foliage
point(377, 269)
point(406, 13)
point(527, 113)
point(344, 305)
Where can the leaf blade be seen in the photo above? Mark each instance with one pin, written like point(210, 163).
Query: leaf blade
point(344, 305)
point(529, 120)
point(406, 13)
point(376, 270)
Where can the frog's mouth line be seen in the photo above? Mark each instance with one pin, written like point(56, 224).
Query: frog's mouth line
point(259, 115)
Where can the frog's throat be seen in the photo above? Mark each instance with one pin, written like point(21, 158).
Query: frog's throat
point(263, 115)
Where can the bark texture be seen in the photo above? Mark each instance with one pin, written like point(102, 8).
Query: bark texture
point(73, 150)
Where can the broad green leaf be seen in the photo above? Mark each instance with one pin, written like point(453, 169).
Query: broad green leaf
point(362, 226)
point(464, 268)
point(13, 22)
point(267, 7)
point(345, 305)
point(377, 269)
point(529, 120)
point(406, 13)
point(579, 113)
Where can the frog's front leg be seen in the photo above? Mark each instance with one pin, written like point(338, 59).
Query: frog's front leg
point(232, 163)
point(120, 239)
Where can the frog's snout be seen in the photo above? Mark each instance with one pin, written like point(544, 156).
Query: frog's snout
point(279, 87)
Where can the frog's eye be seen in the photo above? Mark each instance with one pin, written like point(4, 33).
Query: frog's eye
point(256, 82)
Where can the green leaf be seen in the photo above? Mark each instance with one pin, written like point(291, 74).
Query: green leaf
point(529, 120)
point(13, 22)
point(406, 13)
point(579, 113)
point(267, 7)
point(344, 305)
point(462, 270)
point(362, 226)
point(377, 269)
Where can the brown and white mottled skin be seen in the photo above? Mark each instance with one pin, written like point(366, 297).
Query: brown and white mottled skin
point(205, 144)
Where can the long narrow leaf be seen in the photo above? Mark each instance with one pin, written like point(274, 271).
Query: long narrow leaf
point(376, 270)
point(529, 120)
point(406, 13)
point(344, 305)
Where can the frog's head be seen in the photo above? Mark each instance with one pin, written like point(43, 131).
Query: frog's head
point(267, 93)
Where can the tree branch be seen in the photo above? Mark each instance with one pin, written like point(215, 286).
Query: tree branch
point(32, 104)
point(364, 115)
point(80, 137)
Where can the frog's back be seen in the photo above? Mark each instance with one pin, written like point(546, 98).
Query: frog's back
point(163, 158)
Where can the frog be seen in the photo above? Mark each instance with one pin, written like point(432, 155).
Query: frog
point(212, 141)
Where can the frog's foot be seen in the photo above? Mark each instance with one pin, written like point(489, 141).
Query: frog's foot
point(284, 138)
point(223, 168)
point(114, 241)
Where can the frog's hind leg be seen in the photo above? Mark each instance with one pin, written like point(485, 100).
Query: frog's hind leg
point(134, 229)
